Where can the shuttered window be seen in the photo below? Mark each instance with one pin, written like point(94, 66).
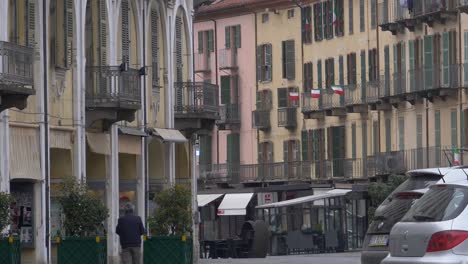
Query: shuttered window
point(125, 34)
point(232, 36)
point(428, 61)
point(289, 62)
point(401, 133)
point(364, 139)
point(437, 137)
point(265, 153)
point(225, 89)
point(308, 77)
point(361, 16)
point(387, 69)
point(339, 24)
point(353, 140)
point(233, 149)
point(350, 17)
point(178, 53)
point(388, 136)
point(210, 40)
point(351, 68)
point(62, 12)
point(102, 32)
point(341, 72)
point(319, 74)
point(329, 72)
point(363, 73)
point(155, 46)
point(205, 150)
point(465, 65)
point(445, 58)
point(373, 14)
point(291, 150)
point(373, 70)
point(264, 63)
point(327, 9)
point(237, 36)
point(227, 37)
point(31, 23)
point(306, 20)
point(318, 26)
point(305, 145)
point(419, 129)
point(200, 41)
point(264, 100)
point(284, 99)
point(453, 127)
point(375, 137)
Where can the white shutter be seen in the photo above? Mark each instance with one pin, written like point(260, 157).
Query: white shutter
point(125, 32)
point(69, 33)
point(103, 32)
point(155, 46)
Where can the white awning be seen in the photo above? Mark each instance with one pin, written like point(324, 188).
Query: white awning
point(204, 199)
point(99, 143)
point(61, 139)
point(130, 144)
point(306, 199)
point(168, 135)
point(234, 204)
point(25, 158)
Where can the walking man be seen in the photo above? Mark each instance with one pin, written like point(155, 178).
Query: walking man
point(130, 229)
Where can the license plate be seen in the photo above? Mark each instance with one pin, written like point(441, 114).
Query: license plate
point(378, 241)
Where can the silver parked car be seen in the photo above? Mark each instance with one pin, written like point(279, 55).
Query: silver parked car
point(435, 229)
point(397, 204)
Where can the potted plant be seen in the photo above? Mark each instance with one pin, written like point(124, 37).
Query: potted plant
point(9, 246)
point(170, 227)
point(83, 240)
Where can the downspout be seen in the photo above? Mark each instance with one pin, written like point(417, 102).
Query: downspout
point(46, 132)
point(460, 92)
point(145, 123)
point(378, 72)
point(215, 40)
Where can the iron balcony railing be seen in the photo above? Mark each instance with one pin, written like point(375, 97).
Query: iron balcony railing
point(395, 11)
point(354, 95)
point(196, 99)
point(109, 86)
point(373, 90)
point(385, 86)
point(385, 13)
point(229, 114)
point(261, 119)
point(464, 70)
point(202, 62)
point(228, 58)
point(287, 117)
point(434, 77)
point(463, 5)
point(332, 100)
point(398, 84)
point(310, 104)
point(219, 173)
point(16, 66)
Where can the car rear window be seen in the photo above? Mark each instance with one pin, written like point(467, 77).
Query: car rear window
point(440, 203)
point(396, 208)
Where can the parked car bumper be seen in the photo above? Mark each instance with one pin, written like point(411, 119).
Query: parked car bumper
point(446, 257)
point(373, 257)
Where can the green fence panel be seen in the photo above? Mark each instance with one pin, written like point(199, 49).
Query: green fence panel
point(10, 251)
point(167, 250)
point(82, 250)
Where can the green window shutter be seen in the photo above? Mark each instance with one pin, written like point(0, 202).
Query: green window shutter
point(412, 75)
point(200, 41)
point(31, 23)
point(268, 62)
point(463, 128)
point(260, 153)
point(225, 89)
point(373, 14)
point(341, 76)
point(237, 36)
point(125, 31)
point(286, 150)
point(284, 61)
point(364, 139)
point(361, 16)
point(465, 66)
point(437, 128)
point(155, 46)
point(210, 41)
point(259, 63)
point(446, 60)
point(363, 74)
point(375, 137)
point(428, 61)
point(319, 74)
point(388, 136)
point(387, 69)
point(305, 145)
point(453, 127)
point(205, 150)
point(102, 32)
point(282, 97)
point(270, 158)
point(292, 59)
point(419, 128)
point(229, 152)
point(233, 149)
point(69, 33)
point(227, 37)
point(353, 139)
point(401, 133)
point(351, 17)
point(403, 64)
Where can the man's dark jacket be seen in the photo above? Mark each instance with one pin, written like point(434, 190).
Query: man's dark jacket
point(130, 229)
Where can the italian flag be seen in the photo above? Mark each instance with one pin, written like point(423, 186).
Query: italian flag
point(337, 89)
point(335, 15)
point(315, 93)
point(456, 157)
point(293, 96)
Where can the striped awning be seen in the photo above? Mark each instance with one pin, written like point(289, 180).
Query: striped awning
point(99, 143)
point(61, 139)
point(25, 158)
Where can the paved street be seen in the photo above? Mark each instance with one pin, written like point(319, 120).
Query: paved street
point(340, 258)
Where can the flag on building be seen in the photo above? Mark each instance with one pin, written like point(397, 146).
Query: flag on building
point(315, 93)
point(456, 157)
point(335, 15)
point(337, 89)
point(307, 25)
point(293, 96)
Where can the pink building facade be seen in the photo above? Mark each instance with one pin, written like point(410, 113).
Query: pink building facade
point(224, 54)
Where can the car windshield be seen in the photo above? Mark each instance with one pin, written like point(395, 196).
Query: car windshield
point(396, 208)
point(440, 203)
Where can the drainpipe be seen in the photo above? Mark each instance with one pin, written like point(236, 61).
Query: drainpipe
point(46, 132)
point(145, 123)
point(378, 70)
point(460, 92)
point(215, 39)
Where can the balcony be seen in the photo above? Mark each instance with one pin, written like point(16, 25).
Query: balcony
point(431, 11)
point(112, 95)
point(228, 59)
point(333, 104)
point(202, 62)
point(261, 119)
point(355, 100)
point(16, 75)
point(196, 105)
point(229, 116)
point(214, 174)
point(287, 117)
point(463, 6)
point(312, 107)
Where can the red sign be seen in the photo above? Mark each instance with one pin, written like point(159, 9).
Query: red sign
point(267, 198)
point(220, 212)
